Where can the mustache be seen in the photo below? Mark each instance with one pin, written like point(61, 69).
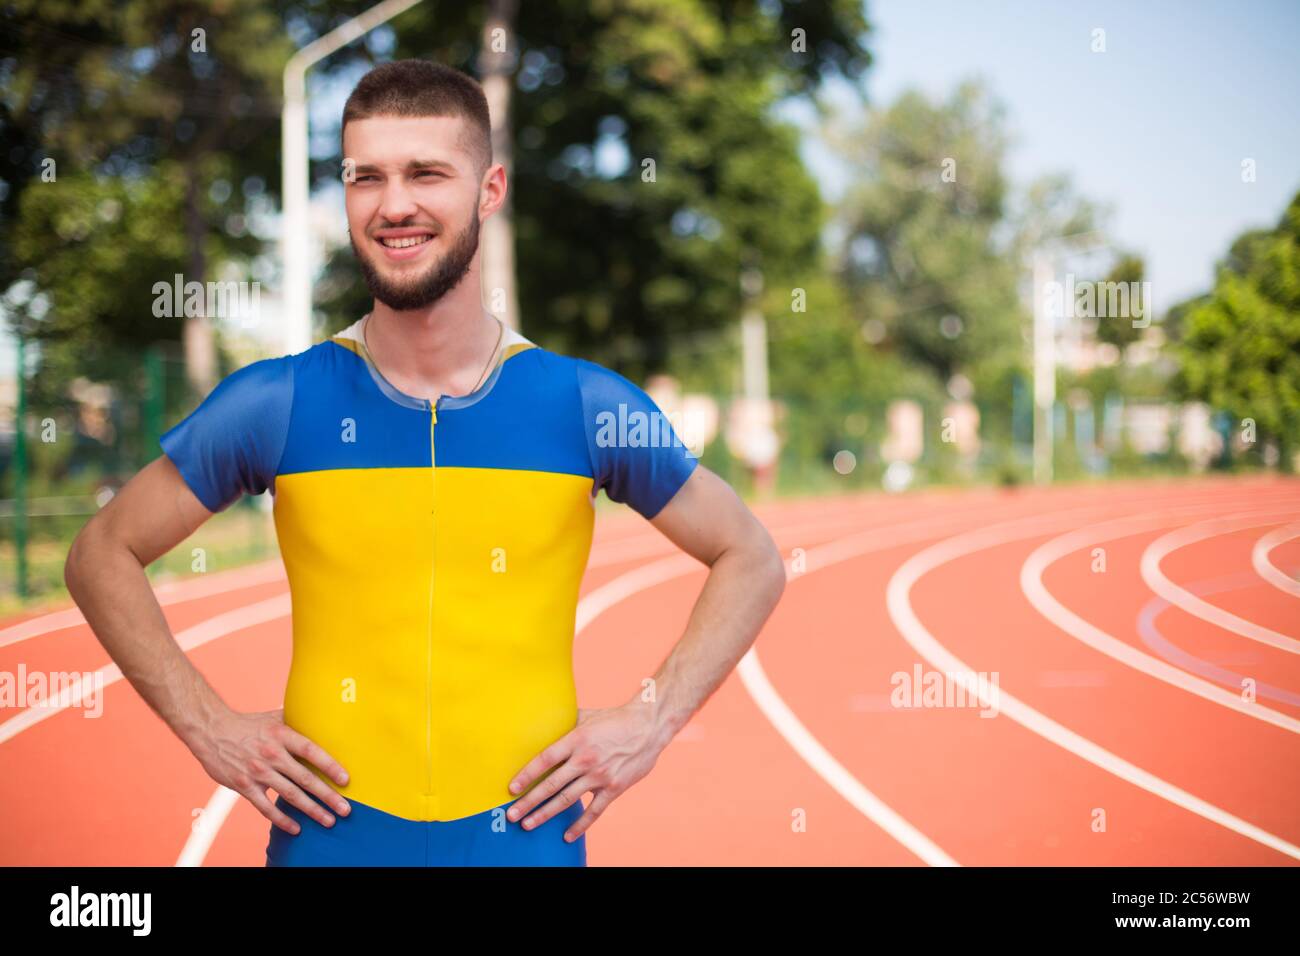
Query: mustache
point(404, 225)
point(420, 291)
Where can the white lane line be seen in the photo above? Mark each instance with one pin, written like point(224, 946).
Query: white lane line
point(172, 592)
point(798, 736)
point(72, 694)
point(898, 600)
point(1031, 583)
point(206, 826)
point(599, 600)
point(602, 598)
point(589, 608)
point(649, 545)
point(831, 770)
point(760, 689)
point(754, 679)
point(1265, 568)
point(1181, 598)
point(637, 545)
point(641, 544)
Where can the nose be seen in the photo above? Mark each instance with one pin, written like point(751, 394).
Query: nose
point(397, 204)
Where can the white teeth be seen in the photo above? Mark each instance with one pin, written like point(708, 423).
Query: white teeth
point(405, 242)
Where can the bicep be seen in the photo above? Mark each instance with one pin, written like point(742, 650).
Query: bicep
point(706, 517)
point(155, 511)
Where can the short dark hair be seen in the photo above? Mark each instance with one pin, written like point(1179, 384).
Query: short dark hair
point(422, 88)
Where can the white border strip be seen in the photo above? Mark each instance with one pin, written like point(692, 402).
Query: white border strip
point(1265, 568)
point(188, 639)
point(898, 599)
point(1181, 598)
point(1031, 583)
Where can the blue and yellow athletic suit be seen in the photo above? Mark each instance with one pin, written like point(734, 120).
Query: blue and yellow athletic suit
point(434, 552)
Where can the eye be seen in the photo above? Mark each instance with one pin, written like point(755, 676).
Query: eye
point(366, 178)
point(428, 172)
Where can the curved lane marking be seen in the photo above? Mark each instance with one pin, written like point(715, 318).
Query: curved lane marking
point(1265, 568)
point(898, 599)
point(1184, 600)
point(1031, 583)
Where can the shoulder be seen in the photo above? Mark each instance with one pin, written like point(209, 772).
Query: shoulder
point(603, 387)
point(232, 442)
point(266, 378)
point(256, 396)
point(549, 374)
point(636, 452)
point(600, 391)
point(251, 393)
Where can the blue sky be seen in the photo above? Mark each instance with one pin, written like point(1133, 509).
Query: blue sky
point(1156, 126)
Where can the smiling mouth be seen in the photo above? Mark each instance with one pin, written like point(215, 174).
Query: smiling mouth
point(403, 242)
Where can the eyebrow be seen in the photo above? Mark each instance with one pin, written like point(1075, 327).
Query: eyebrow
point(411, 166)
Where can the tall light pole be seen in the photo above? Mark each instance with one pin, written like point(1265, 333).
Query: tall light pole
point(753, 338)
point(1044, 368)
point(751, 431)
point(295, 174)
point(1043, 264)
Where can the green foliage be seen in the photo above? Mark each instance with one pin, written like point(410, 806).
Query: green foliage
point(84, 235)
point(934, 241)
point(1240, 345)
point(612, 266)
point(1119, 330)
point(922, 253)
point(137, 141)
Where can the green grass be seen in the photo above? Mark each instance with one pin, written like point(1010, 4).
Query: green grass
point(240, 535)
point(244, 533)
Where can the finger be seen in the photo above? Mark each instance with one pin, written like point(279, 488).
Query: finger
point(266, 808)
point(314, 754)
point(308, 781)
point(278, 753)
point(543, 762)
point(295, 795)
point(544, 790)
point(562, 801)
point(599, 802)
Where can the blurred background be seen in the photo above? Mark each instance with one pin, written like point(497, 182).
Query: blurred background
point(847, 246)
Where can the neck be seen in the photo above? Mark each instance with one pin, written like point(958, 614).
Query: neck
point(435, 351)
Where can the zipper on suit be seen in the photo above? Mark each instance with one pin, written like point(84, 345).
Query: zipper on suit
point(428, 673)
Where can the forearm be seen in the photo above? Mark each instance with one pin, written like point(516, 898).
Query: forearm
point(109, 584)
point(742, 589)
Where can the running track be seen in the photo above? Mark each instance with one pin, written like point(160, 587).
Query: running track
point(1147, 714)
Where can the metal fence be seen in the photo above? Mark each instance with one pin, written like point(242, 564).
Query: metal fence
point(70, 440)
point(85, 433)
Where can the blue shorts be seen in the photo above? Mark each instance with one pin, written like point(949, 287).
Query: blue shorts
point(371, 837)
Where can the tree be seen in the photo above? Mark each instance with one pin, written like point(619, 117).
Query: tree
point(649, 168)
point(1119, 330)
point(496, 59)
point(123, 92)
point(610, 262)
point(1240, 345)
point(921, 259)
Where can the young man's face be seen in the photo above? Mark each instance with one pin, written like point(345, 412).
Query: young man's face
point(414, 206)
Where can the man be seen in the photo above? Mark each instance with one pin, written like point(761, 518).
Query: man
point(433, 474)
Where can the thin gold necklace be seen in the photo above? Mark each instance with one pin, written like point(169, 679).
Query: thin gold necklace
point(501, 331)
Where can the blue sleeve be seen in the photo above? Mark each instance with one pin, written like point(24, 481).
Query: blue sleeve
point(231, 444)
point(636, 455)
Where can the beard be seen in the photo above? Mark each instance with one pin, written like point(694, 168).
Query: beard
point(422, 291)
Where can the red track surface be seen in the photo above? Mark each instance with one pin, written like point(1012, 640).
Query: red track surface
point(121, 790)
